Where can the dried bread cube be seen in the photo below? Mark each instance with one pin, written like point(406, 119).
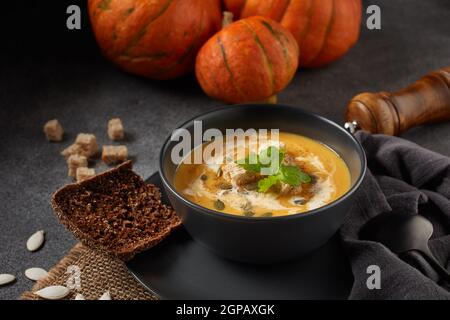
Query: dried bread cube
point(84, 173)
point(85, 145)
point(71, 150)
point(115, 129)
point(88, 144)
point(114, 154)
point(74, 162)
point(53, 130)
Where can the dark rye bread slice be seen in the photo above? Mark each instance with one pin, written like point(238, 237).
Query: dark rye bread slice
point(115, 212)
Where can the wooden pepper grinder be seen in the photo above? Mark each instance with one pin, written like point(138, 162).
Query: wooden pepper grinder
point(425, 101)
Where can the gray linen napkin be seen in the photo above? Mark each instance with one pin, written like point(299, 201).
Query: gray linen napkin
point(407, 179)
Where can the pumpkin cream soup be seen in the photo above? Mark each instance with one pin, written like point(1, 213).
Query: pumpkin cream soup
point(307, 175)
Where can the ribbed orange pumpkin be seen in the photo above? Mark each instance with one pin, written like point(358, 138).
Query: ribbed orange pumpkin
point(324, 29)
point(249, 60)
point(158, 39)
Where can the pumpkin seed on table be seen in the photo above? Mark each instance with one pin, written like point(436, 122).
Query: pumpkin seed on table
point(105, 296)
point(36, 240)
point(219, 205)
point(35, 273)
point(79, 296)
point(53, 292)
point(6, 278)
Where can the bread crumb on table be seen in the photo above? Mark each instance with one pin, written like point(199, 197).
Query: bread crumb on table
point(114, 154)
point(84, 173)
point(115, 129)
point(53, 130)
point(74, 162)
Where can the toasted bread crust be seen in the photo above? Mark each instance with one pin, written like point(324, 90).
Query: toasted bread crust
point(115, 212)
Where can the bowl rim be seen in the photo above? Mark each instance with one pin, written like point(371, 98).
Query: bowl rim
point(298, 215)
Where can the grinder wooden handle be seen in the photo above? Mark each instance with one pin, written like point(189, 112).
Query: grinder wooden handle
point(425, 101)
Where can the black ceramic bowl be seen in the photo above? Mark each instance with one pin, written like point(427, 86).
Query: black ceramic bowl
point(272, 239)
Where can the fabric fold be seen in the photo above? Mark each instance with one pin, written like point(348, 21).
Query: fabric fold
point(403, 178)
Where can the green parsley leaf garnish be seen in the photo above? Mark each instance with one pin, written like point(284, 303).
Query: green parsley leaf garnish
point(291, 175)
point(266, 183)
point(250, 163)
point(265, 156)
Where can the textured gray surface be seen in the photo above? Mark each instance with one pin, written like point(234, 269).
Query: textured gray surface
point(68, 80)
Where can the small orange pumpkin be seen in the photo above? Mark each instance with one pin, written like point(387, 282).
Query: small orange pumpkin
point(249, 60)
point(324, 29)
point(158, 39)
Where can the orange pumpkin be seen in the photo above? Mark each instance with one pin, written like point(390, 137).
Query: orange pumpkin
point(249, 60)
point(324, 29)
point(158, 39)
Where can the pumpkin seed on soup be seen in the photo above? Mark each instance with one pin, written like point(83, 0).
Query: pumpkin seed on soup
point(299, 202)
point(204, 177)
point(225, 186)
point(249, 213)
point(251, 186)
point(267, 214)
point(247, 207)
point(219, 205)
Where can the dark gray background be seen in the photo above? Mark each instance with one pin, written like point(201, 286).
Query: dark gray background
point(49, 72)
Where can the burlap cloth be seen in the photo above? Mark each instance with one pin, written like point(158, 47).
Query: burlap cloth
point(98, 273)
